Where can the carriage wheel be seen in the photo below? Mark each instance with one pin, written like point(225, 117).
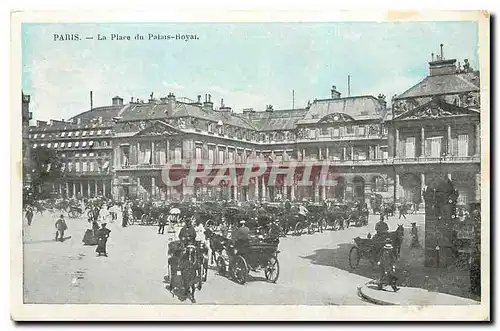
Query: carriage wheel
point(205, 269)
point(354, 257)
point(200, 269)
point(170, 276)
point(298, 229)
point(144, 219)
point(323, 225)
point(272, 270)
point(240, 270)
point(221, 266)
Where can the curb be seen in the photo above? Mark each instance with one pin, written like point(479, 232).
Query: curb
point(372, 300)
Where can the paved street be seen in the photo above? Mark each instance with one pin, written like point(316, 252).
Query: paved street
point(314, 269)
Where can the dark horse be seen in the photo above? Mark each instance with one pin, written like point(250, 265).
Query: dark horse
point(189, 267)
point(217, 244)
point(397, 239)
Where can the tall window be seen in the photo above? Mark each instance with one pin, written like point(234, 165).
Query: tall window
point(463, 145)
point(197, 155)
point(211, 156)
point(410, 147)
point(77, 166)
point(221, 159)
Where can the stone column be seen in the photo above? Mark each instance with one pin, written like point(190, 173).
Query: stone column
point(323, 192)
point(88, 188)
point(398, 192)
point(316, 192)
point(397, 144)
point(344, 153)
point(449, 142)
point(257, 189)
point(67, 189)
point(153, 187)
point(292, 192)
point(138, 187)
point(449, 176)
point(74, 190)
point(138, 152)
point(422, 142)
point(352, 152)
point(103, 188)
point(235, 191)
point(167, 152)
point(96, 188)
point(303, 154)
point(60, 189)
point(422, 187)
point(371, 155)
point(327, 153)
point(264, 193)
point(320, 154)
point(81, 189)
point(153, 156)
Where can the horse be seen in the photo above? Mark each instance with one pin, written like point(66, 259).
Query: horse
point(397, 239)
point(217, 243)
point(189, 268)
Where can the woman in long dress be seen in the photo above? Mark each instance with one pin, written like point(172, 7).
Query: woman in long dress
point(102, 239)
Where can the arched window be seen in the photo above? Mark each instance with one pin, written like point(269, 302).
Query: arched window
point(380, 185)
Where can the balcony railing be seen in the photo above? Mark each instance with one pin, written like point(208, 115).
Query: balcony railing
point(304, 162)
point(444, 159)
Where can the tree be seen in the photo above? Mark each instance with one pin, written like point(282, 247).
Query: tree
point(45, 167)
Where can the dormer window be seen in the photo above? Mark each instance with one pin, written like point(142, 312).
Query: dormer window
point(91, 133)
point(99, 132)
point(35, 136)
point(77, 133)
point(70, 134)
point(63, 134)
point(84, 133)
point(211, 127)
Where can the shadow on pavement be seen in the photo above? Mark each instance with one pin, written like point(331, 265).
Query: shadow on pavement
point(43, 241)
point(410, 268)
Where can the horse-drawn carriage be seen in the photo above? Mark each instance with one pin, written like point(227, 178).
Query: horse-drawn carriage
point(371, 248)
point(187, 267)
point(258, 255)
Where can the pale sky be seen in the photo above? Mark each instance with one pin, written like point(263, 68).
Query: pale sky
point(249, 65)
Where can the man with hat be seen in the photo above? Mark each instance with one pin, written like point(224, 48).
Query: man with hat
point(241, 235)
point(381, 229)
point(187, 234)
point(60, 228)
point(387, 267)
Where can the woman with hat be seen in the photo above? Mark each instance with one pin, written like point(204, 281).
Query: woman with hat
point(102, 239)
point(387, 267)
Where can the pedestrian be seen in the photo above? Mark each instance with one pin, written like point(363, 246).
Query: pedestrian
point(125, 215)
point(29, 215)
point(414, 236)
point(102, 239)
point(161, 223)
point(402, 211)
point(61, 226)
point(387, 267)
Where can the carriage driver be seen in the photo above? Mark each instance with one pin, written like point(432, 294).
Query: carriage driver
point(381, 229)
point(187, 234)
point(241, 236)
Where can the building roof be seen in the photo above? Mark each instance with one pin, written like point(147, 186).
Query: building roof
point(107, 113)
point(153, 110)
point(359, 108)
point(443, 84)
point(283, 119)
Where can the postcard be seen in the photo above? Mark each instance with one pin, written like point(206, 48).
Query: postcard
point(278, 166)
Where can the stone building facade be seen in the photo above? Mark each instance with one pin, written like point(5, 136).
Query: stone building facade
point(430, 130)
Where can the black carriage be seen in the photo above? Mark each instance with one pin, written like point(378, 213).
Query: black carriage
point(336, 216)
point(371, 248)
point(74, 211)
point(187, 267)
point(258, 255)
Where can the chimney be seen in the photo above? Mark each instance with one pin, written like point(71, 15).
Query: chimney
point(117, 101)
point(440, 66)
point(131, 99)
point(334, 92)
point(208, 104)
point(163, 100)
point(199, 99)
point(41, 124)
point(91, 101)
point(170, 104)
point(269, 108)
